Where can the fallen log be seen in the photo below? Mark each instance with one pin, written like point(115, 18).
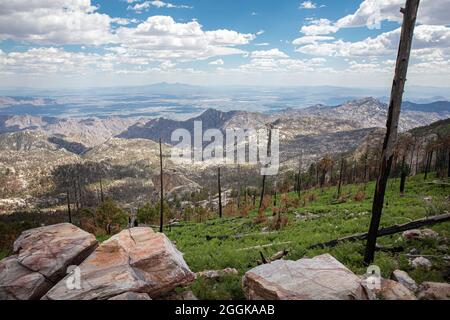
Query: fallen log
point(216, 274)
point(277, 256)
point(265, 246)
point(239, 236)
point(387, 231)
point(389, 249)
point(439, 183)
point(428, 256)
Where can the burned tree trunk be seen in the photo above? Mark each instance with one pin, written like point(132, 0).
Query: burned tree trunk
point(299, 178)
point(239, 187)
point(406, 38)
point(317, 174)
point(428, 164)
point(275, 194)
point(220, 192)
point(448, 165)
point(263, 188)
point(341, 171)
point(161, 209)
point(366, 159)
point(417, 161)
point(387, 231)
point(403, 176)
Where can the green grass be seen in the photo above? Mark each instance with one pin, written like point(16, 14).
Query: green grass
point(3, 254)
point(334, 220)
point(103, 238)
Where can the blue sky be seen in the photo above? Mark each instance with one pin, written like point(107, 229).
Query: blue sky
point(78, 43)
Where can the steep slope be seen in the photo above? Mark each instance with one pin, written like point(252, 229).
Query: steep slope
point(163, 128)
point(369, 112)
point(89, 132)
point(142, 156)
point(415, 141)
point(126, 152)
point(27, 157)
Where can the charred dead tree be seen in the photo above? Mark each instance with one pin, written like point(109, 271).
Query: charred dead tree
point(219, 186)
point(299, 178)
point(341, 172)
point(387, 231)
point(317, 174)
point(275, 194)
point(428, 163)
point(442, 162)
point(366, 160)
point(448, 164)
point(239, 187)
point(161, 209)
point(403, 175)
point(269, 153)
point(401, 71)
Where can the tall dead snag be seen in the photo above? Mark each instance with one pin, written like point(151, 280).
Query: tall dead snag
point(403, 174)
point(269, 153)
point(299, 178)
point(448, 165)
point(69, 211)
point(428, 164)
point(161, 209)
point(401, 70)
point(219, 186)
point(341, 173)
point(366, 160)
point(239, 187)
point(275, 194)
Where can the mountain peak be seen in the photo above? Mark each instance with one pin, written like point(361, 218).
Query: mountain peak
point(212, 112)
point(366, 100)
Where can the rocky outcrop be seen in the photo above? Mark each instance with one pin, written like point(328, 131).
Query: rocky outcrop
point(320, 278)
point(135, 260)
point(41, 258)
point(420, 234)
point(421, 262)
point(434, 291)
point(404, 278)
point(392, 290)
point(131, 296)
point(20, 283)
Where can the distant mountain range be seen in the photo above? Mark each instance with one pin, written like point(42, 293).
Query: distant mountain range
point(353, 115)
point(32, 147)
point(437, 106)
point(315, 120)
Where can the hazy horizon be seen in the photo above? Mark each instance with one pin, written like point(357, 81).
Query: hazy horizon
point(92, 43)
